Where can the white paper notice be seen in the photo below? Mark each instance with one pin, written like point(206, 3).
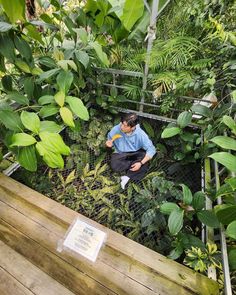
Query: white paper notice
point(85, 240)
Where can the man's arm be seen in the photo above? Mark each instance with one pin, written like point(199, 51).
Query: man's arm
point(138, 165)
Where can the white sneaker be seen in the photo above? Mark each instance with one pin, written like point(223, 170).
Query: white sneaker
point(124, 181)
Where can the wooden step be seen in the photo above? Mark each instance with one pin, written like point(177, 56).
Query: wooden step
point(32, 225)
point(19, 276)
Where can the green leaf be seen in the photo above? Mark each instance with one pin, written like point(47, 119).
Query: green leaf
point(33, 33)
point(132, 11)
point(15, 10)
point(53, 160)
point(47, 75)
point(67, 116)
point(83, 35)
point(54, 143)
point(4, 27)
point(7, 48)
point(46, 99)
point(64, 81)
point(30, 121)
point(78, 107)
point(29, 87)
point(208, 218)
point(18, 97)
point(187, 194)
point(50, 126)
point(225, 142)
point(11, 120)
point(201, 110)
point(198, 201)
point(226, 214)
point(168, 207)
point(184, 119)
point(101, 55)
point(149, 129)
point(27, 158)
point(232, 259)
point(175, 221)
point(232, 182)
point(60, 98)
point(48, 111)
point(7, 82)
point(169, 132)
point(226, 159)
point(82, 57)
point(228, 121)
point(23, 66)
point(22, 139)
point(148, 217)
point(224, 190)
point(231, 230)
point(23, 47)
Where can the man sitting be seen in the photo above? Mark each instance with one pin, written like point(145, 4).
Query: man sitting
point(133, 149)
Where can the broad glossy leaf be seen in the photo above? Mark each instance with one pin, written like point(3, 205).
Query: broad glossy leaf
point(23, 47)
point(148, 217)
point(30, 121)
point(232, 259)
point(50, 126)
point(198, 201)
point(64, 80)
point(67, 116)
point(169, 132)
point(11, 120)
point(27, 158)
point(48, 110)
point(187, 195)
point(78, 107)
point(226, 159)
point(132, 11)
point(53, 160)
point(54, 143)
point(15, 9)
point(29, 87)
point(33, 33)
point(7, 47)
point(224, 190)
point(46, 99)
point(231, 230)
point(22, 139)
point(7, 82)
point(226, 214)
point(175, 221)
point(201, 110)
point(232, 182)
point(225, 142)
point(208, 218)
point(4, 27)
point(101, 55)
point(60, 98)
point(228, 121)
point(82, 57)
point(23, 66)
point(47, 61)
point(18, 97)
point(184, 119)
point(48, 74)
point(83, 35)
point(168, 207)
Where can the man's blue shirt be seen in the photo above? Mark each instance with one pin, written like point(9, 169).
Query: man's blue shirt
point(138, 139)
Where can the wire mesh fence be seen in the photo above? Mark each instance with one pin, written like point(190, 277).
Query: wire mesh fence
point(89, 186)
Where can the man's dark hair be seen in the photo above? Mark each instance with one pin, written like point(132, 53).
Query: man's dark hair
point(131, 119)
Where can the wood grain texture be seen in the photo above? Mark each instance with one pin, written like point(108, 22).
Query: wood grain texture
point(122, 265)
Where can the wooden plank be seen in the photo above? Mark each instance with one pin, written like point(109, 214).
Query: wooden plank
point(157, 263)
point(40, 249)
point(10, 286)
point(30, 276)
point(109, 259)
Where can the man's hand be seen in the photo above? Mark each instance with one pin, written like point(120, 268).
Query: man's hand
point(109, 143)
point(136, 166)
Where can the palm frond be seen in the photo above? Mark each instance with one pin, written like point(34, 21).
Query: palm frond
point(174, 53)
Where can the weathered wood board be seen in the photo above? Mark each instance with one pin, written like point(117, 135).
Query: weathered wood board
point(32, 224)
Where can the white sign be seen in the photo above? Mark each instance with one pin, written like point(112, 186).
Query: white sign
point(85, 240)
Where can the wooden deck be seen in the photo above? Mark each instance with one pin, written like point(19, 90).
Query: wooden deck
point(30, 227)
